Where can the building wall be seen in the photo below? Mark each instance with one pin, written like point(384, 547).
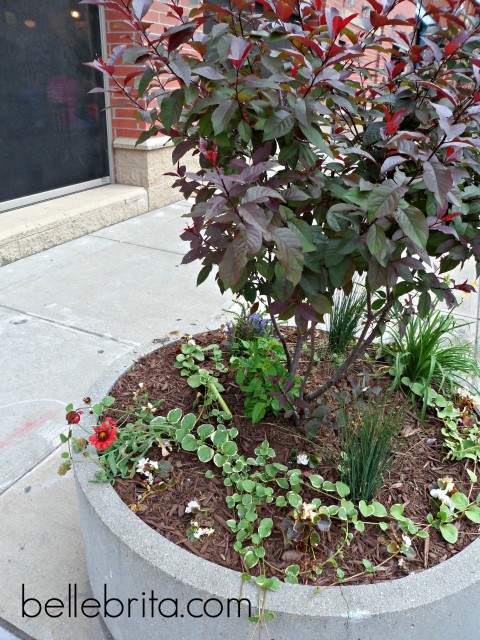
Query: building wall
point(146, 164)
point(117, 32)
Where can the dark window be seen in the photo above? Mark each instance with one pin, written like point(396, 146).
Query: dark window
point(52, 131)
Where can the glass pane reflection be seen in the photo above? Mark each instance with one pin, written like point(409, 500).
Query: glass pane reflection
point(52, 131)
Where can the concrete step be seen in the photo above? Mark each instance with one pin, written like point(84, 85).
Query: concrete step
point(37, 227)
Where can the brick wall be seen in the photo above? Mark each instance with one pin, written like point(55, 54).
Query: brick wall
point(123, 116)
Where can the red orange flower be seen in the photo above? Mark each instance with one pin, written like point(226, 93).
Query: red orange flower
point(104, 435)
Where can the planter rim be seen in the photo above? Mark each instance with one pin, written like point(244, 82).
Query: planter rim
point(418, 589)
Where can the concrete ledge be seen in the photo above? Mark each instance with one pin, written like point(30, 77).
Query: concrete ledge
point(146, 166)
point(32, 229)
point(157, 142)
point(128, 559)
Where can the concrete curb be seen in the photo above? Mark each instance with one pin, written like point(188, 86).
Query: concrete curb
point(41, 226)
point(126, 558)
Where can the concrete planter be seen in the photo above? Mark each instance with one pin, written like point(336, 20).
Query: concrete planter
point(196, 599)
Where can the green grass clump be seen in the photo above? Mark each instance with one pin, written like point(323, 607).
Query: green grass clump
point(366, 447)
point(431, 353)
point(345, 318)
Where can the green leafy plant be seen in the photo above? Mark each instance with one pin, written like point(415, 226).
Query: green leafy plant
point(318, 166)
point(366, 437)
point(260, 374)
point(461, 432)
point(344, 319)
point(428, 352)
point(200, 377)
point(119, 448)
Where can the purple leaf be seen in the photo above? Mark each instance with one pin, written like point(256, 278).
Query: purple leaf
point(360, 152)
point(437, 178)
point(288, 249)
point(181, 34)
point(261, 194)
point(141, 7)
point(254, 240)
point(208, 72)
point(238, 51)
point(390, 163)
point(234, 260)
point(384, 199)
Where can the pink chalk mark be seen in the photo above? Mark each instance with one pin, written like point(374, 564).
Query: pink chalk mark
point(26, 428)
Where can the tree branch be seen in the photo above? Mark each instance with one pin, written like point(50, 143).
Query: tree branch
point(362, 345)
point(298, 352)
point(310, 362)
point(279, 335)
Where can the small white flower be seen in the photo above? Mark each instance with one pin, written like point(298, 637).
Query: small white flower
point(149, 407)
point(302, 458)
point(149, 477)
point(401, 562)
point(193, 504)
point(140, 384)
point(197, 530)
point(141, 464)
point(407, 541)
point(308, 511)
point(442, 495)
point(154, 465)
point(192, 342)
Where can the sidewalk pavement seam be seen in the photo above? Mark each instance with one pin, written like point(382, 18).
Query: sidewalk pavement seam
point(141, 246)
point(11, 486)
point(64, 325)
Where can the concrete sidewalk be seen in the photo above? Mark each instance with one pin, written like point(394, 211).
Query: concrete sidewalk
point(65, 315)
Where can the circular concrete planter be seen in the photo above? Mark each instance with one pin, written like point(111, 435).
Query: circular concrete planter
point(195, 599)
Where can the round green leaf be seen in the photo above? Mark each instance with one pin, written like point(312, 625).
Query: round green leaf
point(379, 510)
point(294, 499)
point(188, 422)
point(189, 443)
point(396, 510)
point(219, 460)
point(265, 527)
point(229, 448)
point(205, 454)
point(219, 437)
point(366, 510)
point(460, 501)
point(248, 485)
point(204, 430)
point(316, 481)
point(174, 415)
point(449, 532)
point(473, 514)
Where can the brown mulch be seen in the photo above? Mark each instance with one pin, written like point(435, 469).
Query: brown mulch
point(418, 463)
